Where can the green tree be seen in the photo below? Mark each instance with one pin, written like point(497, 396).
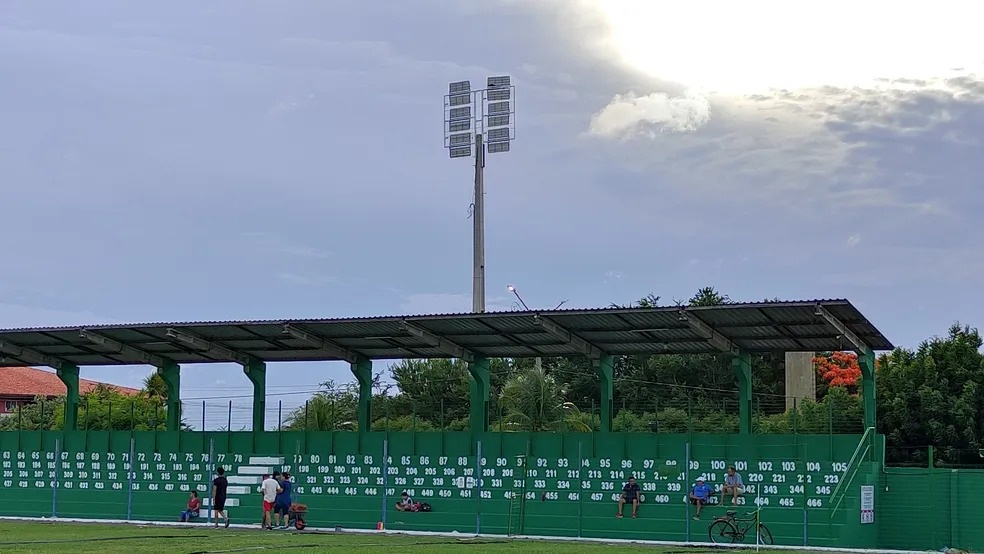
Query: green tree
point(155, 387)
point(533, 401)
point(335, 408)
point(40, 415)
point(934, 396)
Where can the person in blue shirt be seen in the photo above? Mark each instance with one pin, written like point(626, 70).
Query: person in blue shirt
point(281, 506)
point(699, 495)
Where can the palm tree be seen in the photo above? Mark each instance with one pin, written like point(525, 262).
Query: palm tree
point(534, 401)
point(155, 387)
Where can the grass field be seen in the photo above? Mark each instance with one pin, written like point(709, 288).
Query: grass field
point(26, 537)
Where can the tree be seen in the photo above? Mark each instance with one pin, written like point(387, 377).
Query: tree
point(333, 409)
point(102, 409)
point(934, 396)
point(154, 386)
point(534, 401)
point(839, 369)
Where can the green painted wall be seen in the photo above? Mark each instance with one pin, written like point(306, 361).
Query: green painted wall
point(943, 506)
point(536, 484)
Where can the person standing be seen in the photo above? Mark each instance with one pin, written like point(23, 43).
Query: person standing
point(281, 508)
point(269, 488)
point(220, 488)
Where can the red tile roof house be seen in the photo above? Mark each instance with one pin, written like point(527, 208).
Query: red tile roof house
point(21, 385)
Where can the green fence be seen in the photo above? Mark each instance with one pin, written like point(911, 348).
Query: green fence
point(931, 509)
point(498, 483)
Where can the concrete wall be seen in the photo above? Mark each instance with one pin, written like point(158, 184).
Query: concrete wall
point(801, 383)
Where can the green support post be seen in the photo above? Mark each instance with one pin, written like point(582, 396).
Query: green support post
point(255, 370)
point(866, 361)
point(605, 367)
point(481, 372)
point(170, 372)
point(742, 364)
point(69, 374)
point(362, 368)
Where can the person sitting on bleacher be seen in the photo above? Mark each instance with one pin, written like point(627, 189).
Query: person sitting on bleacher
point(699, 495)
point(194, 504)
point(732, 485)
point(631, 495)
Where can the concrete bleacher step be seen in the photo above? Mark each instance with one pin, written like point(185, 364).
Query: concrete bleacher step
point(244, 479)
point(230, 502)
point(255, 470)
point(266, 460)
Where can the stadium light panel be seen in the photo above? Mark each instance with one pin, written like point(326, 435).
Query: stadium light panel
point(496, 94)
point(500, 81)
point(459, 87)
point(458, 126)
point(460, 139)
point(498, 120)
point(498, 135)
point(457, 114)
point(495, 147)
point(459, 99)
point(461, 152)
point(498, 107)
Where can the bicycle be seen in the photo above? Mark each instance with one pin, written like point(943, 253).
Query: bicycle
point(735, 528)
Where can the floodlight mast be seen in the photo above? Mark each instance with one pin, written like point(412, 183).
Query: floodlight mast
point(484, 119)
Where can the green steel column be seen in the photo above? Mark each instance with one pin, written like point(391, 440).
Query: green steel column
point(362, 368)
point(171, 373)
point(69, 374)
point(742, 364)
point(605, 367)
point(481, 372)
point(255, 370)
point(866, 361)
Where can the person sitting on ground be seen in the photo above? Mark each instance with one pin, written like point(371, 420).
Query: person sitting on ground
point(699, 495)
point(732, 484)
point(194, 505)
point(405, 503)
point(630, 494)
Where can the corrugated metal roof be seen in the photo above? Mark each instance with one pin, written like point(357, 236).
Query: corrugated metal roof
point(754, 327)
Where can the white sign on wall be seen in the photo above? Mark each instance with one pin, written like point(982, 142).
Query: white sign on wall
point(867, 504)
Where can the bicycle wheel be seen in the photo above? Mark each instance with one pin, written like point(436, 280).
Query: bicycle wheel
point(764, 535)
point(722, 531)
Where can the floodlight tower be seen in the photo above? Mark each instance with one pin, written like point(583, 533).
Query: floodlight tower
point(476, 122)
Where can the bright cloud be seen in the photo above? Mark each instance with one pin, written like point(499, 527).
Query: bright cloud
point(738, 48)
point(652, 113)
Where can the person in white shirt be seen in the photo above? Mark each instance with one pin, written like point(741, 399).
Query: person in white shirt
point(269, 487)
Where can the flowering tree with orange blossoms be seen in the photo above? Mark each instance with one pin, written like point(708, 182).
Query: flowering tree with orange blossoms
point(839, 369)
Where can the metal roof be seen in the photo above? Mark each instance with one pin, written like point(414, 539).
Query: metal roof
point(753, 327)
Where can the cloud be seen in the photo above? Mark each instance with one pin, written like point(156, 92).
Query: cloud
point(306, 280)
point(629, 114)
point(15, 316)
point(445, 303)
point(854, 240)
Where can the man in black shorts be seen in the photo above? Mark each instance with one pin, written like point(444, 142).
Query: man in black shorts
point(630, 495)
point(220, 486)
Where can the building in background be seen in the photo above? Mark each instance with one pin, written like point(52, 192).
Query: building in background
point(22, 385)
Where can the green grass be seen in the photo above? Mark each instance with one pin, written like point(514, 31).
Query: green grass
point(132, 539)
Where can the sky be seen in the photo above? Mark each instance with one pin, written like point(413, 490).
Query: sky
point(188, 161)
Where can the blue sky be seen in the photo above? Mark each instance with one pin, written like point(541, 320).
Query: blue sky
point(247, 160)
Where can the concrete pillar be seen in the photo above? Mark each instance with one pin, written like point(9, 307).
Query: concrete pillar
point(481, 373)
point(605, 368)
point(362, 368)
point(171, 373)
point(801, 380)
point(255, 371)
point(69, 374)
